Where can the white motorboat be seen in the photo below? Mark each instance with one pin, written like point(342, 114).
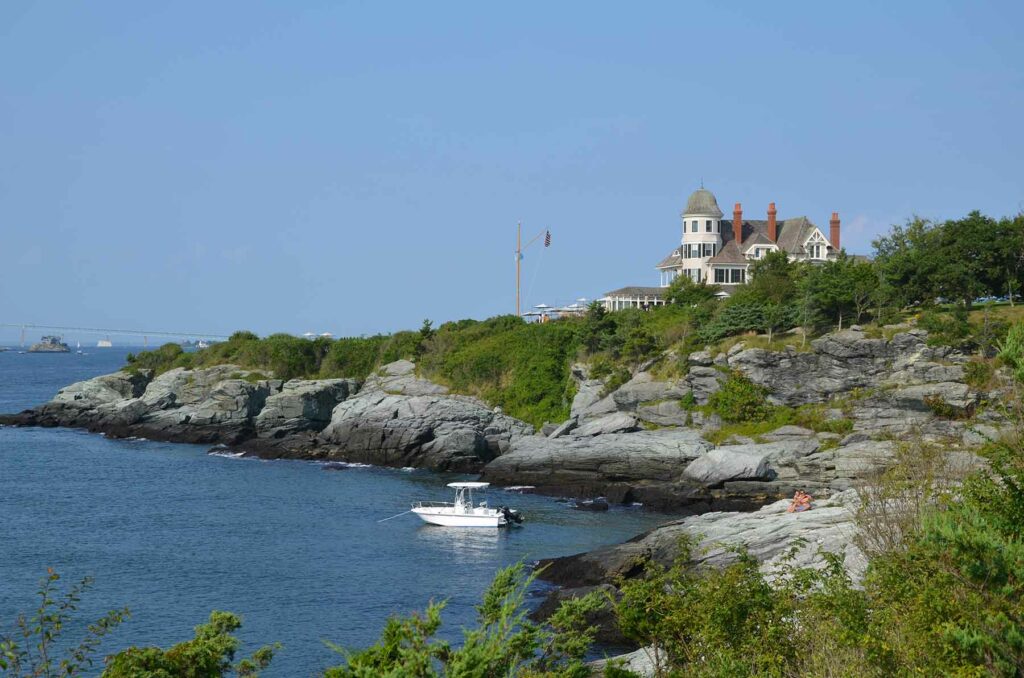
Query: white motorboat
point(462, 512)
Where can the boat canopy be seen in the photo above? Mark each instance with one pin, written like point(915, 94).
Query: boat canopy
point(468, 486)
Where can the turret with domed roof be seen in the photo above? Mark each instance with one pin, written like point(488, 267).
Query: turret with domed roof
point(702, 232)
point(702, 202)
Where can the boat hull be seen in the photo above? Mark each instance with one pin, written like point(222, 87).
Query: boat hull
point(444, 518)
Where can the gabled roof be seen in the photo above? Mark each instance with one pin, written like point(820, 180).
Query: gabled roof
point(757, 238)
point(791, 233)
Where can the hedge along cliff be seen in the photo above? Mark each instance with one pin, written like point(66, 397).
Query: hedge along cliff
point(649, 440)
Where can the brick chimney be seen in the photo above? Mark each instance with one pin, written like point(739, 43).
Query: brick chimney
point(737, 223)
point(833, 227)
point(773, 229)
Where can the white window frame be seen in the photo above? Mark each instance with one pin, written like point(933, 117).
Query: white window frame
point(816, 246)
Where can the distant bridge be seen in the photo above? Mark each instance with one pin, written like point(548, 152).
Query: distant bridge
point(145, 334)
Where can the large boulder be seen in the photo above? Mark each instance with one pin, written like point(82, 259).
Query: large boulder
point(641, 390)
point(618, 422)
point(302, 405)
point(936, 396)
point(703, 380)
point(726, 463)
point(588, 390)
point(768, 534)
point(665, 413)
point(102, 390)
point(620, 466)
point(395, 421)
point(399, 378)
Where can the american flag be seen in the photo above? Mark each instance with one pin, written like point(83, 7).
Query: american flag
point(547, 239)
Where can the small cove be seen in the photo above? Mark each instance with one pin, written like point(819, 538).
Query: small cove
point(174, 532)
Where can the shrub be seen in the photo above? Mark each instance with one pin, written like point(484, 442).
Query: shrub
point(815, 418)
point(978, 373)
point(740, 400)
point(946, 329)
point(1011, 351)
point(503, 643)
point(158, 360)
point(210, 653)
point(943, 410)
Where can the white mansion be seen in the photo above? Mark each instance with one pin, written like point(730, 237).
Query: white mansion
point(719, 253)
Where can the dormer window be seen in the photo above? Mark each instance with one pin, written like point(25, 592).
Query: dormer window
point(816, 247)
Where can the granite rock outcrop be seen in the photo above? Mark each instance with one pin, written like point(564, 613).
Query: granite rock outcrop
point(393, 419)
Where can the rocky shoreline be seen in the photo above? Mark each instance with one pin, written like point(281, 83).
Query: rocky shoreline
point(638, 443)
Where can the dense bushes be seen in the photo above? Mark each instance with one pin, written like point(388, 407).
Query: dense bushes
point(520, 367)
point(740, 400)
point(210, 653)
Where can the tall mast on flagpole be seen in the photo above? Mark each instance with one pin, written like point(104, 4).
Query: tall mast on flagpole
point(519, 257)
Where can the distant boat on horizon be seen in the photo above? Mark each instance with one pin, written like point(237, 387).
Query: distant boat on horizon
point(104, 343)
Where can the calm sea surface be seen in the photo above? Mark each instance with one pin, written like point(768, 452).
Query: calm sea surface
point(173, 533)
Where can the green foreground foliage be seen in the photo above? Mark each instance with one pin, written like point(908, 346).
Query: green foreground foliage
point(504, 642)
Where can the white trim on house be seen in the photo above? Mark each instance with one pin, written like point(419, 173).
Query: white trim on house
point(728, 274)
point(760, 250)
point(816, 246)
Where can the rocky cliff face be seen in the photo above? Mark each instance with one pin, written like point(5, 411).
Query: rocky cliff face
point(641, 443)
point(394, 419)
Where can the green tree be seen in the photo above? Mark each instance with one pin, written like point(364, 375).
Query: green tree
point(864, 287)
point(776, 317)
point(426, 333)
point(906, 257)
point(1009, 239)
point(831, 287)
point(596, 328)
point(970, 258)
point(684, 292)
point(774, 278)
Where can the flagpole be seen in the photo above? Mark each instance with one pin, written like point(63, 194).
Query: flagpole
point(519, 257)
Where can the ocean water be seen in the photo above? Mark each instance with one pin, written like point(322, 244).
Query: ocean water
point(174, 532)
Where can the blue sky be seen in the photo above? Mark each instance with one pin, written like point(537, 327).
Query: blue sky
point(357, 167)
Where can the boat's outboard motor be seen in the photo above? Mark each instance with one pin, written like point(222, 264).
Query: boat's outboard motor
point(511, 515)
